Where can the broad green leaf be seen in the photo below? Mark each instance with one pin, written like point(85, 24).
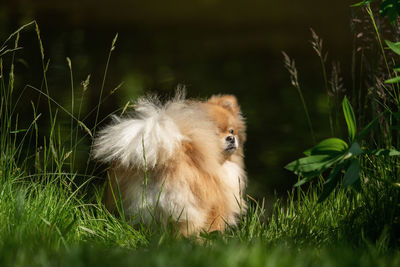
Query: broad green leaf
point(386, 152)
point(352, 173)
point(350, 118)
point(357, 185)
point(390, 9)
point(311, 164)
point(355, 149)
point(332, 181)
point(396, 68)
point(393, 80)
point(303, 181)
point(330, 146)
point(329, 186)
point(307, 164)
point(312, 174)
point(369, 127)
point(395, 47)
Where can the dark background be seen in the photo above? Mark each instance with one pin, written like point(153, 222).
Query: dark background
point(211, 46)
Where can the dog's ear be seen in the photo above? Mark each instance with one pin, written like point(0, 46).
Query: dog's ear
point(228, 102)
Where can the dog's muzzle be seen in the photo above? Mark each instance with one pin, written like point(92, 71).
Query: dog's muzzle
point(231, 143)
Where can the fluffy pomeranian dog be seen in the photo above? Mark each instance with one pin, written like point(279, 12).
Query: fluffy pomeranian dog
point(179, 160)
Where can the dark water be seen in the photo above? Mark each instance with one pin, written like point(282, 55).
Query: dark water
point(211, 46)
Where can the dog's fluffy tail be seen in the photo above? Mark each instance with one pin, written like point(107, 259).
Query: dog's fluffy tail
point(145, 138)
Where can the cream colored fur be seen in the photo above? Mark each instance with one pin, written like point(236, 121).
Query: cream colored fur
point(189, 178)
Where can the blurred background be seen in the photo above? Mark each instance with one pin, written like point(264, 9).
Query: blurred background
point(210, 46)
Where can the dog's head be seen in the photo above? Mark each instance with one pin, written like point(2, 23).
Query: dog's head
point(225, 112)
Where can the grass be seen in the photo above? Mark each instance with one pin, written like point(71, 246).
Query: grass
point(47, 223)
point(52, 215)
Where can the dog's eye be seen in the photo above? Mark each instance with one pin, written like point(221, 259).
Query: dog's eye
point(231, 131)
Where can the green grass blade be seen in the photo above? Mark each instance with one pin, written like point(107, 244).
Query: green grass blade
point(350, 118)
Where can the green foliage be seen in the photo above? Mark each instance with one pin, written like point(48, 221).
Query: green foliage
point(395, 47)
point(52, 227)
point(330, 146)
point(393, 80)
point(336, 153)
point(388, 8)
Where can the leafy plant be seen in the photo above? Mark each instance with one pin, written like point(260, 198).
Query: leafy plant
point(395, 47)
point(343, 159)
point(388, 8)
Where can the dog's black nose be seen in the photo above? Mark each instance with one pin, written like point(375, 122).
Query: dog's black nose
point(230, 139)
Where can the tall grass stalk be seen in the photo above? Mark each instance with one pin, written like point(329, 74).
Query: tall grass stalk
point(291, 67)
point(104, 81)
point(378, 37)
point(45, 67)
point(69, 63)
point(112, 48)
point(318, 48)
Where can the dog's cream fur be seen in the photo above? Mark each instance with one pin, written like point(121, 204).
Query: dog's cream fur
point(191, 175)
